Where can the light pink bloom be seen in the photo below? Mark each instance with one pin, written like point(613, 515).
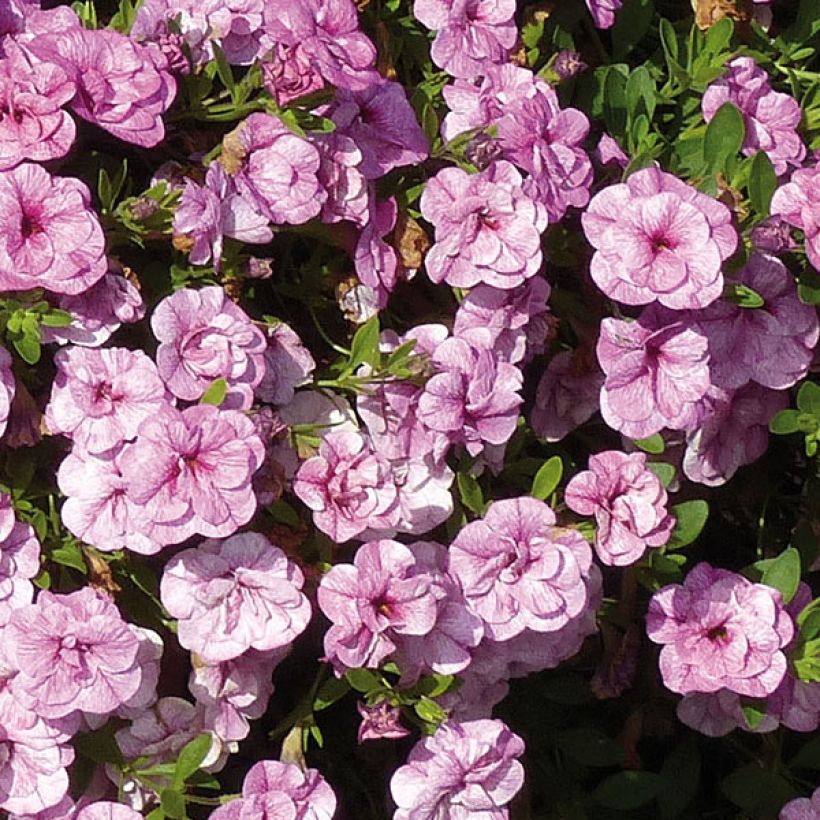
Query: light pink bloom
point(464, 770)
point(288, 365)
point(567, 396)
point(204, 336)
point(425, 501)
point(603, 11)
point(772, 345)
point(373, 602)
point(609, 152)
point(279, 172)
point(470, 34)
point(732, 430)
point(719, 630)
point(74, 653)
point(193, 470)
point(487, 230)
point(50, 236)
point(106, 810)
point(376, 261)
point(658, 239)
point(657, 369)
point(798, 203)
point(8, 388)
point(19, 563)
point(282, 791)
point(519, 571)
point(122, 87)
point(7, 517)
point(341, 177)
point(381, 721)
point(238, 27)
point(99, 398)
point(348, 486)
point(382, 123)
point(771, 117)
point(234, 595)
point(803, 808)
point(289, 74)
point(628, 502)
point(473, 398)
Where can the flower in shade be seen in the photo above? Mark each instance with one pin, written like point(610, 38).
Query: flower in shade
point(771, 117)
point(381, 721)
point(568, 63)
point(19, 563)
point(658, 239)
point(99, 398)
point(288, 365)
point(50, 236)
point(772, 235)
point(803, 808)
point(464, 770)
point(470, 34)
point(8, 388)
point(628, 502)
point(192, 471)
point(719, 630)
point(657, 370)
point(603, 11)
point(281, 790)
point(234, 595)
point(372, 603)
point(798, 203)
point(73, 653)
point(487, 230)
point(376, 261)
point(341, 177)
point(204, 336)
point(348, 486)
point(519, 571)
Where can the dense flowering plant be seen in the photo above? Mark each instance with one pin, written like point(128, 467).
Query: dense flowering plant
point(409, 409)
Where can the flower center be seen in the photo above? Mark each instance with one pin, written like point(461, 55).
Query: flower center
point(29, 226)
point(718, 633)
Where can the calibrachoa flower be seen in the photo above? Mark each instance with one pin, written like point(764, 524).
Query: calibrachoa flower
point(192, 470)
point(804, 808)
point(657, 369)
point(719, 630)
point(74, 653)
point(519, 570)
point(379, 722)
point(374, 602)
point(19, 563)
point(771, 117)
point(341, 177)
point(234, 595)
point(100, 397)
point(275, 789)
point(50, 236)
point(658, 239)
point(348, 486)
point(204, 336)
point(798, 203)
point(106, 810)
point(470, 34)
point(8, 388)
point(628, 502)
point(288, 365)
point(464, 770)
point(603, 11)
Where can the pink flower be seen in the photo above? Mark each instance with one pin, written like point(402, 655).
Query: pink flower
point(798, 203)
point(628, 502)
point(50, 236)
point(658, 239)
point(381, 122)
point(99, 398)
point(281, 790)
point(487, 230)
point(657, 369)
point(348, 486)
point(567, 396)
point(719, 630)
point(279, 172)
point(73, 652)
point(340, 174)
point(33, 124)
point(290, 74)
point(122, 87)
point(732, 430)
point(519, 571)
point(192, 470)
point(425, 501)
point(8, 388)
point(803, 808)
point(603, 11)
point(771, 118)
point(288, 365)
point(470, 34)
point(473, 398)
point(375, 260)
point(234, 595)
point(19, 563)
point(772, 345)
point(463, 770)
point(381, 721)
point(238, 26)
point(204, 336)
point(373, 603)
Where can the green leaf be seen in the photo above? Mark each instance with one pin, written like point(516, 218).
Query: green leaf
point(56, 318)
point(216, 393)
point(743, 296)
point(191, 756)
point(223, 69)
point(654, 444)
point(681, 773)
point(363, 680)
point(808, 398)
point(757, 790)
point(155, 814)
point(172, 803)
point(783, 573)
point(590, 746)
point(808, 757)
point(724, 137)
point(365, 346)
point(29, 348)
point(808, 620)
point(719, 35)
point(629, 790)
point(665, 472)
point(70, 555)
point(641, 94)
point(332, 690)
point(631, 25)
point(785, 422)
point(430, 711)
point(547, 478)
point(470, 491)
point(762, 181)
point(690, 518)
point(754, 711)
point(100, 745)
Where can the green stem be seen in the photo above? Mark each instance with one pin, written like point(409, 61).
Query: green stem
point(328, 341)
